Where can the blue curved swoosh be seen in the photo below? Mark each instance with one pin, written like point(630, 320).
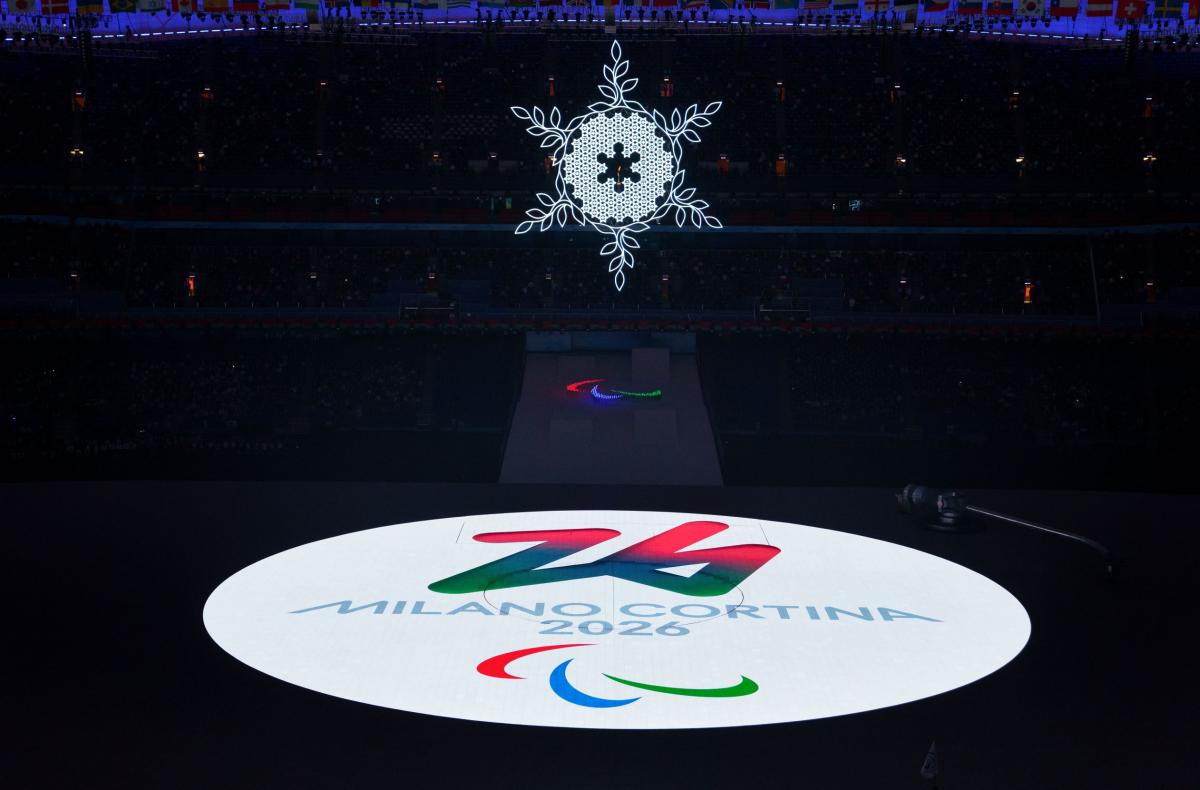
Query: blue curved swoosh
point(563, 688)
point(596, 393)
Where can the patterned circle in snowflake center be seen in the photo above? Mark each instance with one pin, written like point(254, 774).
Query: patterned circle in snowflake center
point(618, 167)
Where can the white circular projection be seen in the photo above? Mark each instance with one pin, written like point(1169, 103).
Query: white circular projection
point(616, 620)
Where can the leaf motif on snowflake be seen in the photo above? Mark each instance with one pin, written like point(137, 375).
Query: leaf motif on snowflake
point(617, 167)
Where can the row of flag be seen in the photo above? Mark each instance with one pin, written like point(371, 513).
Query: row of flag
point(1121, 9)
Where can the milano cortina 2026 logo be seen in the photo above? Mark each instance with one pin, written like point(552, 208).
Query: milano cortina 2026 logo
point(568, 618)
point(649, 562)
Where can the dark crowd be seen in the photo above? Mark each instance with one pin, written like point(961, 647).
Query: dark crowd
point(932, 242)
point(427, 110)
point(988, 409)
point(487, 272)
point(312, 403)
point(303, 402)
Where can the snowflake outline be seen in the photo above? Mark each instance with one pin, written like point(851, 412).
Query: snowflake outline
point(557, 209)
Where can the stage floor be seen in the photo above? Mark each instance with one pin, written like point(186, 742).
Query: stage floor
point(117, 683)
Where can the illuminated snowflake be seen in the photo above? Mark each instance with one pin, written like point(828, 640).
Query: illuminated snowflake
point(617, 167)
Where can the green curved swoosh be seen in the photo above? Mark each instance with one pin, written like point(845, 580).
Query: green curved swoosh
point(650, 394)
point(741, 689)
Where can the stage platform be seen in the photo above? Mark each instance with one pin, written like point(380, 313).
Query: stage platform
point(563, 436)
point(116, 682)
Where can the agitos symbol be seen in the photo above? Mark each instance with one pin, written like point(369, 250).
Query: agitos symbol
point(600, 393)
point(642, 563)
point(497, 667)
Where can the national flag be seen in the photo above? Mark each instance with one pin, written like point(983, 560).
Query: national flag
point(213, 6)
point(845, 5)
point(52, 7)
point(1064, 8)
point(1131, 9)
point(750, 3)
point(1099, 7)
point(1172, 9)
point(814, 4)
point(308, 5)
point(491, 3)
point(277, 5)
point(970, 7)
point(936, 6)
point(467, 3)
point(518, 2)
point(875, 6)
point(787, 5)
point(432, 5)
point(20, 6)
point(89, 7)
point(718, 5)
point(1193, 9)
point(1036, 8)
point(121, 6)
point(675, 3)
point(905, 7)
point(151, 6)
point(245, 6)
point(1000, 7)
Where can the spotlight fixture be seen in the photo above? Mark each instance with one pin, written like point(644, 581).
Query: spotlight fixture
point(950, 511)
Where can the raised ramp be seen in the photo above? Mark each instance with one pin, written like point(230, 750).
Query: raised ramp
point(563, 437)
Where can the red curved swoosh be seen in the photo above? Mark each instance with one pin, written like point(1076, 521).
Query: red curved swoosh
point(497, 666)
point(579, 385)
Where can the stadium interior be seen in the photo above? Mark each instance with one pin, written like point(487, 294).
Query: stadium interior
point(265, 280)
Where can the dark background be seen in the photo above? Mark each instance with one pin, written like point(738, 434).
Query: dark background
point(116, 682)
